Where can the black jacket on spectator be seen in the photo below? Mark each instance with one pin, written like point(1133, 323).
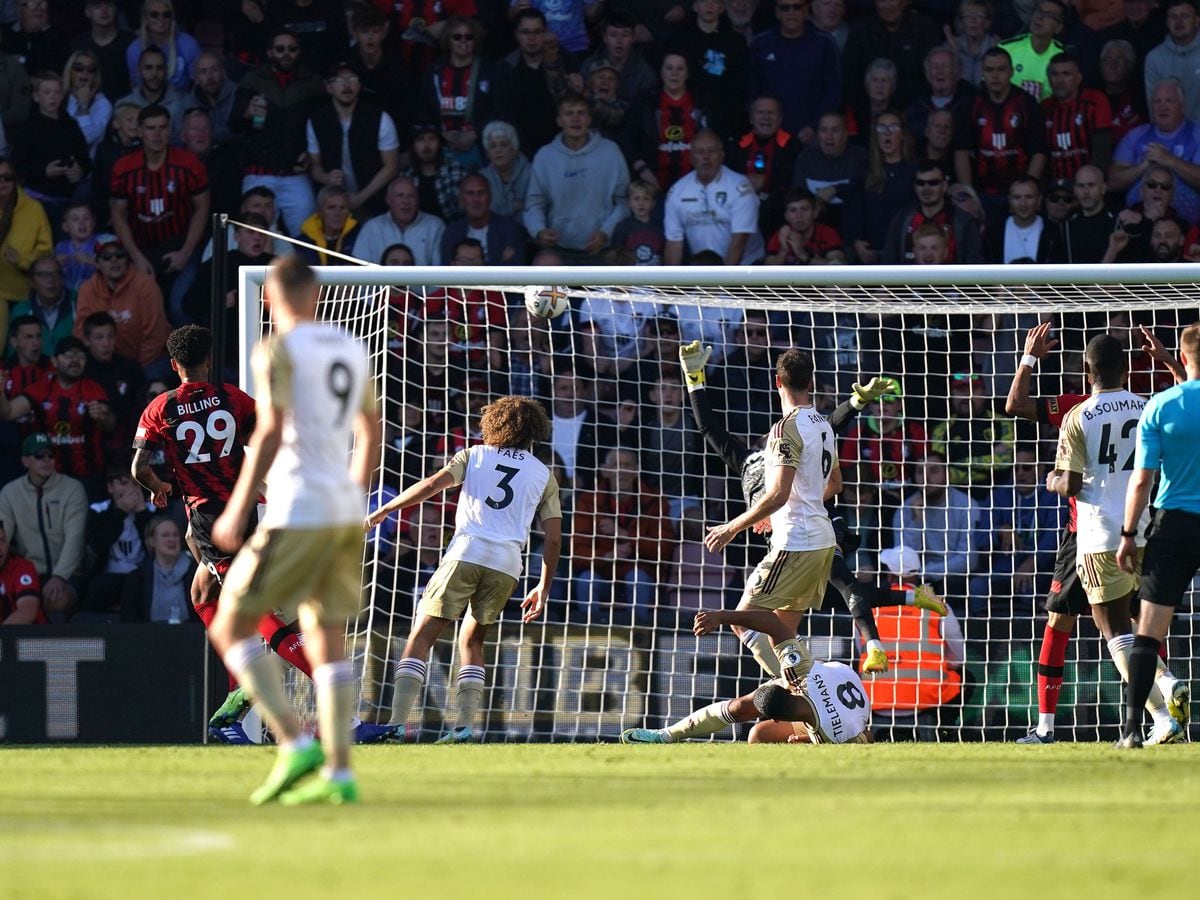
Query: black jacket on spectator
point(506, 244)
point(137, 598)
point(319, 26)
point(43, 141)
point(14, 92)
point(906, 47)
point(388, 86)
point(719, 70)
point(276, 147)
point(46, 50)
point(920, 109)
point(1081, 239)
point(363, 137)
point(968, 241)
point(526, 98)
point(125, 383)
point(108, 151)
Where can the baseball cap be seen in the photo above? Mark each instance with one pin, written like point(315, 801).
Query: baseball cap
point(69, 343)
point(1061, 186)
point(900, 560)
point(35, 444)
point(338, 68)
point(105, 240)
point(421, 128)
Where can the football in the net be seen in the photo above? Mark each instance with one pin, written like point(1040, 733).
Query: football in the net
point(546, 302)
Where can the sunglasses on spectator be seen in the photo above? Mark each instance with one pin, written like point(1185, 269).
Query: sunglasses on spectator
point(82, 67)
point(466, 36)
point(1158, 185)
point(928, 182)
point(887, 128)
point(5, 178)
point(111, 255)
point(159, 14)
point(286, 48)
point(43, 454)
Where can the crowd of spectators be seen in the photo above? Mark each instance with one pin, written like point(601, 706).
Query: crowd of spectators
point(562, 132)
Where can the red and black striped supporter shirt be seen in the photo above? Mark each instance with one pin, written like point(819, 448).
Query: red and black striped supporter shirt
point(1003, 136)
point(21, 377)
point(1070, 125)
point(62, 413)
point(823, 240)
point(1052, 411)
point(677, 123)
point(203, 432)
point(160, 200)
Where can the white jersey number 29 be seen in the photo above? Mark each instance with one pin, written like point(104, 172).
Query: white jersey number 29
point(220, 426)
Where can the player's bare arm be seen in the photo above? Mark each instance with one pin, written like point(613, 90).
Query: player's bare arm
point(143, 474)
point(268, 437)
point(775, 494)
point(1064, 483)
point(1137, 495)
point(533, 605)
point(833, 486)
point(368, 434)
point(1152, 345)
point(1038, 343)
point(25, 610)
point(427, 487)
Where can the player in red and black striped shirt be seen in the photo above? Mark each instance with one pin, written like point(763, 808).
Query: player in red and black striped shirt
point(159, 198)
point(999, 135)
point(1078, 121)
point(73, 411)
point(203, 429)
point(1067, 600)
point(20, 588)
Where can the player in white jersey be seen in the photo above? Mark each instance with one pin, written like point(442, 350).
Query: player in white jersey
point(826, 704)
point(1094, 465)
point(503, 487)
point(314, 399)
point(801, 474)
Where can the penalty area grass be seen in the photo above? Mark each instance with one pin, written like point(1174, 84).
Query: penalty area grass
point(594, 820)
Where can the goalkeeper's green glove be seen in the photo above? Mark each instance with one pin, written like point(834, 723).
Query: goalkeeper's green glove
point(872, 391)
point(693, 358)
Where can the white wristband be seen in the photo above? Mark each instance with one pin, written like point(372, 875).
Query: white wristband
point(1029, 360)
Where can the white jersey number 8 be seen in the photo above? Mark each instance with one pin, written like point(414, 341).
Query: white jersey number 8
point(220, 427)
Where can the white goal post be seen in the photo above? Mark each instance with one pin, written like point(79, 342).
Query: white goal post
point(616, 649)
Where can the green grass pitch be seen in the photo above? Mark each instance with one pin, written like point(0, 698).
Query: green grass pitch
point(603, 820)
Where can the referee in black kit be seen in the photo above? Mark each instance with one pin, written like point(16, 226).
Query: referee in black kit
point(1168, 440)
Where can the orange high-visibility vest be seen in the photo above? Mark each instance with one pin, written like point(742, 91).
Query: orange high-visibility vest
point(919, 675)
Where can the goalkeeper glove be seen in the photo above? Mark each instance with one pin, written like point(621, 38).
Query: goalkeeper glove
point(693, 357)
point(872, 391)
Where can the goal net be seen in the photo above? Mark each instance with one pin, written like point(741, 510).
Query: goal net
point(936, 467)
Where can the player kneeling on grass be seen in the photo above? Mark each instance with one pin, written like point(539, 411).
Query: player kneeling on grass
point(812, 702)
point(503, 486)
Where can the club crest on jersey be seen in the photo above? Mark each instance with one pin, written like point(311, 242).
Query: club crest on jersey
point(171, 186)
point(721, 198)
point(1014, 121)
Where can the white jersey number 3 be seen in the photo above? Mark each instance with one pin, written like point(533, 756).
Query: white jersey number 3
point(220, 427)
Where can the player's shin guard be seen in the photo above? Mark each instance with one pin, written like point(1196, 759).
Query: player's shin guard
point(409, 679)
point(1051, 660)
point(286, 641)
point(1143, 660)
point(254, 666)
point(703, 722)
point(760, 648)
point(795, 660)
point(335, 688)
point(469, 695)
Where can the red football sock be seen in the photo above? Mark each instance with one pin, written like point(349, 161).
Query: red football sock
point(1050, 668)
point(206, 612)
point(285, 640)
point(1162, 650)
